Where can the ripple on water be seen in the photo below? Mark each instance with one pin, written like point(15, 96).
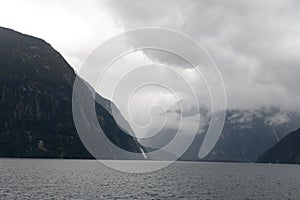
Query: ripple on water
point(86, 179)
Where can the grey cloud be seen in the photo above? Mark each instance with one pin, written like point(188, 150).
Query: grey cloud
point(255, 43)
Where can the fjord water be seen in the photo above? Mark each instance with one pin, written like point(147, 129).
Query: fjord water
point(88, 179)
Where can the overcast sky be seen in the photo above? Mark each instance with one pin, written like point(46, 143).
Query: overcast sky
point(255, 44)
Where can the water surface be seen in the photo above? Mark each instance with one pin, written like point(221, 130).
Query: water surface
point(87, 179)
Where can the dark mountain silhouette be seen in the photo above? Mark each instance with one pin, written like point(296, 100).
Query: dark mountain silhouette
point(286, 150)
point(36, 85)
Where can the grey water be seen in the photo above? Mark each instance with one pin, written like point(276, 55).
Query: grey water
point(88, 179)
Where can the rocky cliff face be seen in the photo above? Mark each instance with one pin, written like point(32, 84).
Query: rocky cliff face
point(286, 150)
point(36, 103)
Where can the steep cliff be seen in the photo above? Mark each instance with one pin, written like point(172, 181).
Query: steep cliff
point(36, 85)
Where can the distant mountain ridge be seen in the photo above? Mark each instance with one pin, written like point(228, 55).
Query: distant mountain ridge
point(246, 135)
point(36, 104)
point(286, 150)
point(249, 133)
